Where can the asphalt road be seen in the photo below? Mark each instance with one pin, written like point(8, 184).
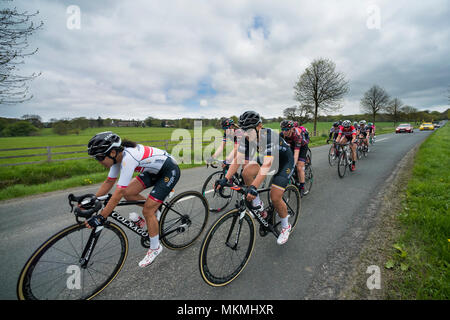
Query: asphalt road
point(274, 272)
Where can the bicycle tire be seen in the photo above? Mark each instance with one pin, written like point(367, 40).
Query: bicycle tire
point(309, 178)
point(342, 164)
point(331, 160)
point(294, 214)
point(216, 202)
point(26, 279)
point(208, 266)
point(173, 222)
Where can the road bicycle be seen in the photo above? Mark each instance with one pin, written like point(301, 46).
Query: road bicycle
point(218, 202)
point(372, 139)
point(361, 148)
point(345, 159)
point(77, 263)
point(229, 242)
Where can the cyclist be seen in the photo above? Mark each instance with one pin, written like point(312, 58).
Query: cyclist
point(347, 133)
point(356, 125)
point(157, 168)
point(277, 153)
point(334, 132)
point(298, 141)
point(231, 130)
point(363, 133)
point(371, 129)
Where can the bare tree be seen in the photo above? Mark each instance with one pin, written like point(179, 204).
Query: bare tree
point(322, 87)
point(15, 28)
point(374, 100)
point(393, 109)
point(302, 114)
point(409, 111)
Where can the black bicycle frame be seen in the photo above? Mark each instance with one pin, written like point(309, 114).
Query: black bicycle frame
point(95, 234)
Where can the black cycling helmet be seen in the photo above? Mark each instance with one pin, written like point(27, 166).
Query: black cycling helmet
point(287, 124)
point(249, 119)
point(336, 124)
point(226, 123)
point(102, 143)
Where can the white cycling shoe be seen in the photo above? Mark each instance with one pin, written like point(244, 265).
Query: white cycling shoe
point(150, 256)
point(284, 235)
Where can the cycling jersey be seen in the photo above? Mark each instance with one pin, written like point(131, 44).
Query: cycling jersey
point(334, 131)
point(347, 132)
point(271, 144)
point(138, 159)
point(297, 139)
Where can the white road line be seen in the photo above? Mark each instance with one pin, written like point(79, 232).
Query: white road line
point(378, 140)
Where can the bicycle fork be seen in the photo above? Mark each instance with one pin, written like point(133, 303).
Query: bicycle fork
point(90, 245)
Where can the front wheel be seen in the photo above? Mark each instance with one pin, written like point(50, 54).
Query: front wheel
point(342, 164)
point(183, 220)
point(216, 201)
point(55, 270)
point(227, 248)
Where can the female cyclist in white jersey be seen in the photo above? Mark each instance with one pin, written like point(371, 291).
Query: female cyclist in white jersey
point(157, 169)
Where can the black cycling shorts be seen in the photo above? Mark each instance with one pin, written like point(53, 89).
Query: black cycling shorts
point(284, 174)
point(163, 182)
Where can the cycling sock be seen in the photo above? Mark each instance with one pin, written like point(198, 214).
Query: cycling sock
point(353, 162)
point(284, 222)
point(154, 242)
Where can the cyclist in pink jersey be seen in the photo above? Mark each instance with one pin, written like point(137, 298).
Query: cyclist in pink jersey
point(157, 169)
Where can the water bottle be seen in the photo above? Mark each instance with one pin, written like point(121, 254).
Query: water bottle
point(137, 219)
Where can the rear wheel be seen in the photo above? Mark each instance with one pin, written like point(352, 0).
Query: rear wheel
point(183, 220)
point(291, 197)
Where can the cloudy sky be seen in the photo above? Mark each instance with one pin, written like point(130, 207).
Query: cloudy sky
point(172, 59)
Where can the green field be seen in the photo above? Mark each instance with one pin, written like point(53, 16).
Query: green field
point(22, 180)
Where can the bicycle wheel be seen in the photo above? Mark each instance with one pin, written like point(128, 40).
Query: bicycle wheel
point(183, 220)
point(216, 202)
point(54, 271)
point(227, 248)
point(342, 164)
point(332, 158)
point(308, 180)
point(291, 197)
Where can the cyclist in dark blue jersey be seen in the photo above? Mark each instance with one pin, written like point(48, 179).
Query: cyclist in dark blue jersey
point(267, 151)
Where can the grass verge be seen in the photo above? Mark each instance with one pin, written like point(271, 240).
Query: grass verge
point(421, 255)
point(410, 241)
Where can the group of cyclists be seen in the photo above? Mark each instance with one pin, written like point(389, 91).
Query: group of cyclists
point(343, 131)
point(257, 150)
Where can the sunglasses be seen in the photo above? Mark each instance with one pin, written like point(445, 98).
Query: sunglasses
point(100, 157)
point(285, 129)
